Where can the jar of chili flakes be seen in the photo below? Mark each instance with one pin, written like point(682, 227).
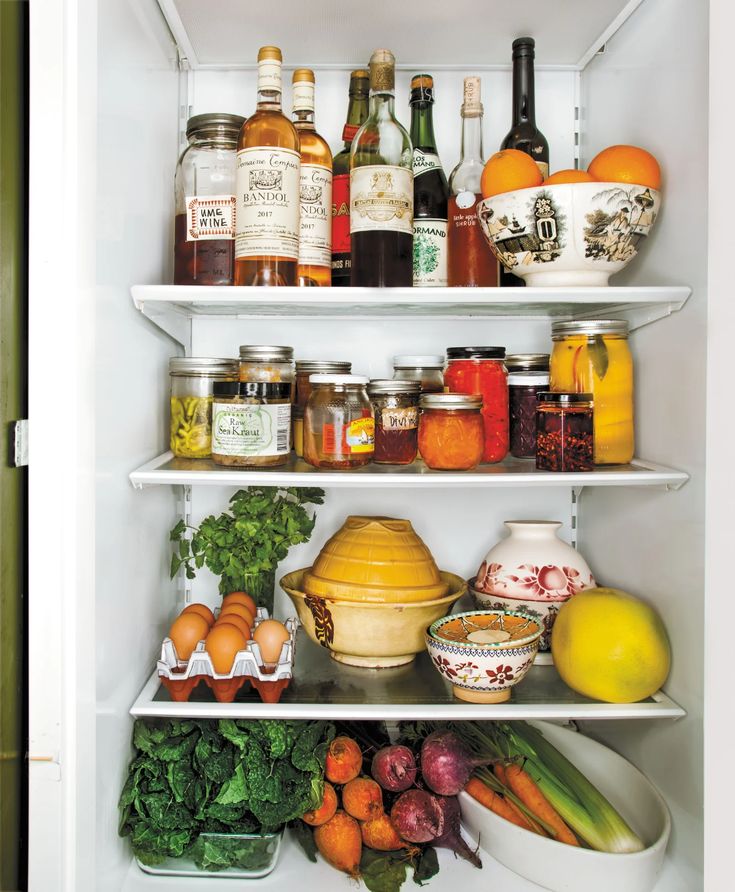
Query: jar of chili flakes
point(564, 435)
point(339, 428)
point(528, 375)
point(481, 370)
point(396, 408)
point(451, 431)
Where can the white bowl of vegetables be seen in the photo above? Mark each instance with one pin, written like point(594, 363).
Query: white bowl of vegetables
point(567, 868)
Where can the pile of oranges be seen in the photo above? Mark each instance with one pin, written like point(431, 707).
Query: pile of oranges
point(511, 169)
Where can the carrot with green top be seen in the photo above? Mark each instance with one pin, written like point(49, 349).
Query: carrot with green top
point(495, 802)
point(526, 790)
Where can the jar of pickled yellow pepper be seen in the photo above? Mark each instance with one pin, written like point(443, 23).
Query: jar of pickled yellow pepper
point(192, 383)
point(592, 356)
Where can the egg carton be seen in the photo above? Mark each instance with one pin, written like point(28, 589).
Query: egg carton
point(181, 677)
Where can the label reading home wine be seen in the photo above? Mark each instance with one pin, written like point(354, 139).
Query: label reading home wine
point(268, 207)
point(381, 197)
point(430, 253)
point(315, 233)
point(423, 162)
point(400, 419)
point(210, 217)
point(341, 224)
point(251, 429)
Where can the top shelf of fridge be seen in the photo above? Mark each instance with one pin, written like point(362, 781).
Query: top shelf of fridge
point(331, 34)
point(174, 307)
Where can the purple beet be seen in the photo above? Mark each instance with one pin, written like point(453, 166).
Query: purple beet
point(394, 768)
point(446, 763)
point(451, 837)
point(418, 816)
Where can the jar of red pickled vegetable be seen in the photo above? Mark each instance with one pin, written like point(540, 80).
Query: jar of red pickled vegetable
point(396, 407)
point(481, 370)
point(564, 434)
point(451, 431)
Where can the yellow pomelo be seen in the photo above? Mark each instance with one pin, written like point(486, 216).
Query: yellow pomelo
point(611, 646)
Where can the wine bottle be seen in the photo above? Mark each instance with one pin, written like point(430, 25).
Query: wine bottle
point(471, 262)
point(357, 112)
point(430, 190)
point(381, 187)
point(524, 135)
point(315, 232)
point(267, 186)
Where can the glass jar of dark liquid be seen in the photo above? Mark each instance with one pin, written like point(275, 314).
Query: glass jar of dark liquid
point(528, 375)
point(564, 437)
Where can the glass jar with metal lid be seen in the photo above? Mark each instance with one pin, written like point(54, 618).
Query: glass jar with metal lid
point(396, 408)
point(451, 431)
point(593, 356)
point(339, 427)
point(528, 375)
point(428, 369)
point(564, 432)
point(251, 424)
point(267, 364)
point(192, 382)
point(305, 368)
point(204, 187)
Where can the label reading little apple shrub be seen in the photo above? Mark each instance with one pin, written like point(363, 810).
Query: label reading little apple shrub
point(256, 430)
point(430, 252)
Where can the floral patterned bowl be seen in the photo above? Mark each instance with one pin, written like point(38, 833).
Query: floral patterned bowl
point(482, 670)
point(570, 234)
point(544, 612)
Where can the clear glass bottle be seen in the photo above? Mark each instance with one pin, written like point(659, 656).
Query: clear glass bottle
point(381, 188)
point(339, 426)
point(427, 369)
point(315, 233)
point(268, 186)
point(471, 262)
point(204, 186)
point(192, 386)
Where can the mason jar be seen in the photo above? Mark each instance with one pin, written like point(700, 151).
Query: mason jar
point(267, 364)
point(426, 368)
point(305, 368)
point(396, 408)
point(528, 375)
point(339, 426)
point(192, 387)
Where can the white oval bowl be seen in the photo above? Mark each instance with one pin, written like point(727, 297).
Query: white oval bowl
point(563, 868)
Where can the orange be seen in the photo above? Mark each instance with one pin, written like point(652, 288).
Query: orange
point(233, 620)
point(241, 598)
point(222, 643)
point(187, 630)
point(568, 176)
point(626, 164)
point(202, 610)
point(508, 170)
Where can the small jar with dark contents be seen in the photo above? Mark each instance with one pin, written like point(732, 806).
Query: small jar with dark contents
point(427, 369)
point(528, 375)
point(396, 408)
point(564, 432)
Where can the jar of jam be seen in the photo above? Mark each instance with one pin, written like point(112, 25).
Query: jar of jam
point(481, 370)
point(396, 408)
point(339, 427)
point(528, 375)
point(592, 356)
point(564, 432)
point(451, 431)
point(204, 186)
point(192, 386)
point(251, 424)
point(425, 368)
point(266, 364)
point(305, 368)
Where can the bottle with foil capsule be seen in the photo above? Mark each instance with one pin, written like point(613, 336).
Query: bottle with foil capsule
point(381, 188)
point(267, 186)
point(524, 135)
point(471, 262)
point(357, 112)
point(315, 233)
point(430, 190)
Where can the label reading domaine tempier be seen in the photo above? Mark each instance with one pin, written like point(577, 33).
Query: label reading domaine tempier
point(315, 245)
point(209, 217)
point(381, 197)
point(268, 205)
point(430, 253)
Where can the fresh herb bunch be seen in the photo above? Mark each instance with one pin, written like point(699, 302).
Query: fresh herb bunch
point(229, 776)
point(252, 538)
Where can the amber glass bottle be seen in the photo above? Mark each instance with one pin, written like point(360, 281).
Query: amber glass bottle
point(315, 234)
point(267, 186)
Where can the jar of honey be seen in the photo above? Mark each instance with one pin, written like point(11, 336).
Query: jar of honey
point(593, 356)
point(339, 427)
point(451, 431)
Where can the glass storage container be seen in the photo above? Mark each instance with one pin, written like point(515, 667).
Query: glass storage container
point(528, 375)
point(396, 408)
point(425, 368)
point(245, 856)
point(305, 368)
point(593, 356)
point(451, 431)
point(339, 428)
point(564, 432)
point(267, 364)
point(251, 424)
point(204, 186)
point(192, 382)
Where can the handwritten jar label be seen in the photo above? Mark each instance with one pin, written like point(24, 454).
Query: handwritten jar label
point(400, 419)
point(210, 217)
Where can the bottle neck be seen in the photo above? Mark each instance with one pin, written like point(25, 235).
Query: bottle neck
point(269, 85)
point(303, 118)
point(357, 112)
point(268, 99)
point(382, 105)
point(524, 99)
point(471, 149)
point(422, 126)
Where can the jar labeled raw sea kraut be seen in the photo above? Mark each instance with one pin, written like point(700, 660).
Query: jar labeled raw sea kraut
point(451, 431)
point(396, 408)
point(251, 424)
point(192, 383)
point(339, 427)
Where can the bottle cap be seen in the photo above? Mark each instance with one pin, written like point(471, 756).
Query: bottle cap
point(563, 399)
point(451, 401)
point(422, 88)
point(269, 69)
point(265, 390)
point(472, 104)
point(359, 82)
point(270, 52)
point(382, 71)
point(303, 74)
point(418, 361)
point(527, 362)
point(387, 387)
point(589, 327)
point(524, 46)
point(219, 125)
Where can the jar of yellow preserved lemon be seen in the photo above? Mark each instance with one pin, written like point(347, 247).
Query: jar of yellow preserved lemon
point(592, 356)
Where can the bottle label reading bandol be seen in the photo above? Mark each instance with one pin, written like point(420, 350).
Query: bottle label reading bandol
point(255, 430)
point(315, 244)
point(381, 197)
point(423, 162)
point(430, 253)
point(268, 203)
point(210, 217)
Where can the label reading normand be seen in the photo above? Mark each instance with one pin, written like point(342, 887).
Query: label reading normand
point(315, 245)
point(268, 203)
point(430, 267)
point(381, 197)
point(210, 217)
point(257, 430)
point(423, 162)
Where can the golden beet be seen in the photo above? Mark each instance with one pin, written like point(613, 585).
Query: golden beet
point(344, 760)
point(339, 842)
point(363, 799)
point(318, 816)
point(380, 834)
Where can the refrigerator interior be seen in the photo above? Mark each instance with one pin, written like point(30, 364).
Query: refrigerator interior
point(120, 104)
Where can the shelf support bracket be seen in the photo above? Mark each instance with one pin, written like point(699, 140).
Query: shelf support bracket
point(574, 514)
point(184, 509)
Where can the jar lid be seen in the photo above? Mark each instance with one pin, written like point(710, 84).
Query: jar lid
point(450, 401)
point(340, 380)
point(262, 389)
point(382, 387)
point(475, 352)
point(229, 124)
point(418, 361)
point(324, 366)
point(201, 365)
point(560, 330)
point(563, 399)
point(527, 362)
point(265, 353)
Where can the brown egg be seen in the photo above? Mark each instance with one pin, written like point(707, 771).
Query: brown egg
point(233, 620)
point(238, 610)
point(222, 643)
point(270, 636)
point(241, 598)
point(202, 610)
point(186, 631)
